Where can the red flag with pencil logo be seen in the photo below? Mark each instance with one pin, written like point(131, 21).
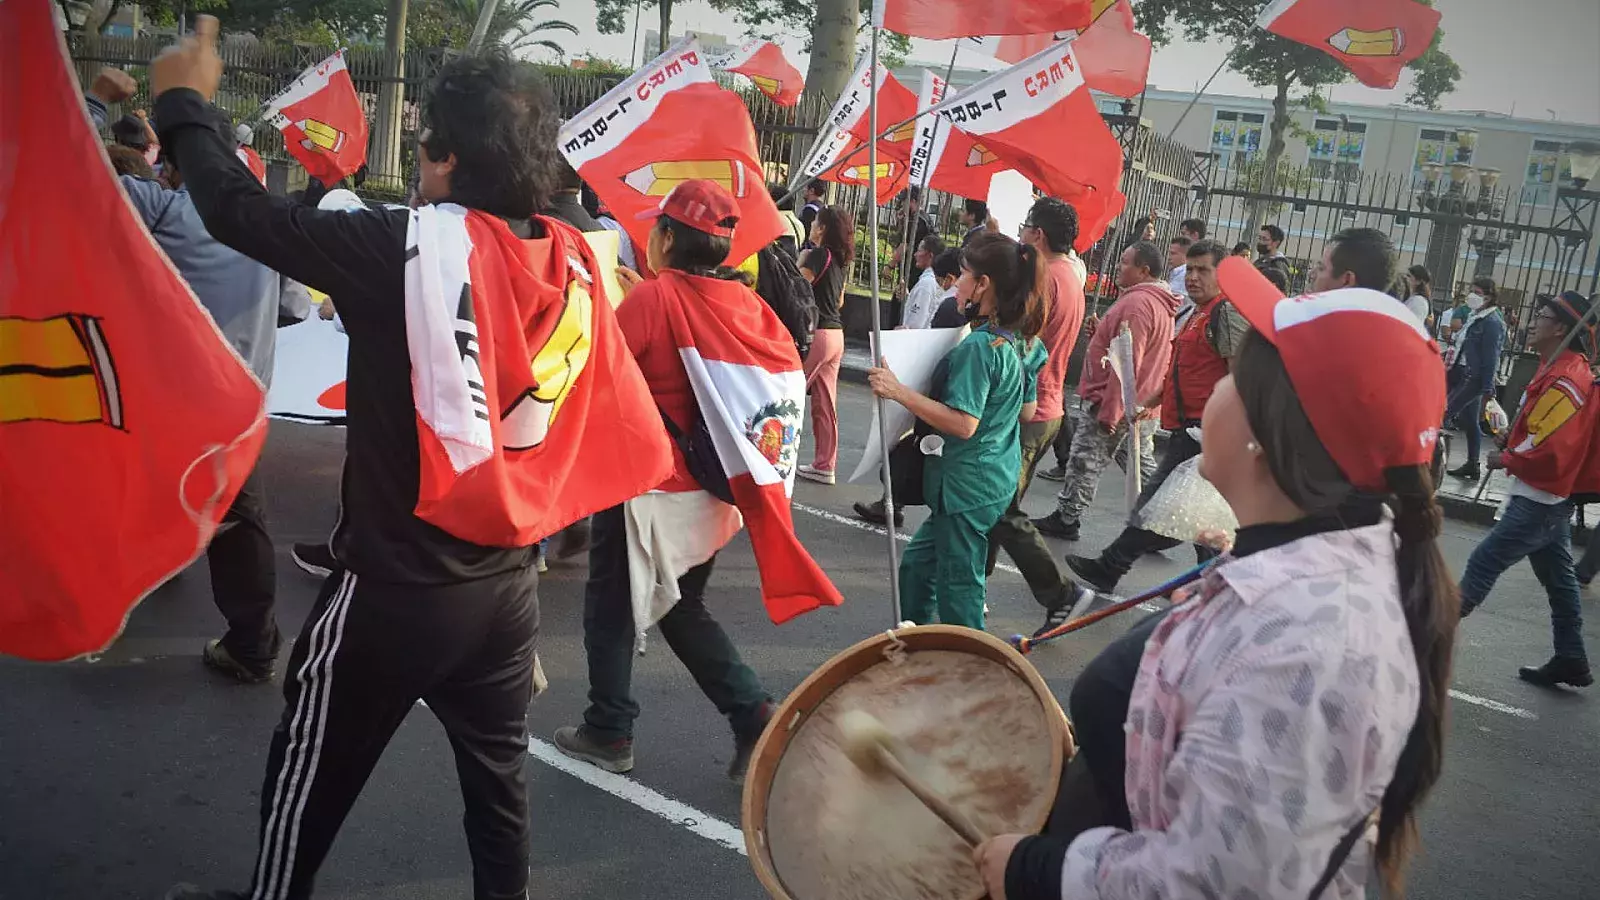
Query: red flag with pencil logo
point(937, 19)
point(322, 121)
point(669, 123)
point(1374, 39)
point(841, 153)
point(767, 68)
point(1115, 57)
point(127, 423)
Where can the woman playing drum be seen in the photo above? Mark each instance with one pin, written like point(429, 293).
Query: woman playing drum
point(1239, 744)
point(989, 392)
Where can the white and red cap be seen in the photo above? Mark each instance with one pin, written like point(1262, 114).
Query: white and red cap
point(700, 204)
point(1365, 370)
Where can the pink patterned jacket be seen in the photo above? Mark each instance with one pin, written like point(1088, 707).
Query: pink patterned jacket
point(1266, 720)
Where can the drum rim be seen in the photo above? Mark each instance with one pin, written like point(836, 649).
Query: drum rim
point(826, 679)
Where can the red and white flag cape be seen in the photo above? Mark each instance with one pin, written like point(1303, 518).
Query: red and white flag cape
point(938, 19)
point(840, 154)
point(1039, 119)
point(322, 121)
point(1115, 57)
point(668, 123)
point(751, 391)
point(767, 68)
point(127, 423)
point(1374, 39)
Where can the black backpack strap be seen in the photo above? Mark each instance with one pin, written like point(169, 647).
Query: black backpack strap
point(1341, 852)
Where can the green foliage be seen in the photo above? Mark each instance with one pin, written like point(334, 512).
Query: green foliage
point(515, 25)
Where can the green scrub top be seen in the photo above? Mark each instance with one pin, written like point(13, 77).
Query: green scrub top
point(992, 375)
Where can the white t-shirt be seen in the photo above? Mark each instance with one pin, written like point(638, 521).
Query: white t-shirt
point(922, 301)
point(1175, 280)
point(1420, 307)
point(1076, 262)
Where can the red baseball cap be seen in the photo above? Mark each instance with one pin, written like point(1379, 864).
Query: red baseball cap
point(700, 204)
point(1365, 370)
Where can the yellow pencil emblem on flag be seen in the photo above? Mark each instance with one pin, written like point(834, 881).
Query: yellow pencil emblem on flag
point(1355, 42)
point(903, 133)
point(658, 179)
point(1098, 8)
point(864, 173)
point(320, 136)
point(57, 370)
point(767, 85)
point(555, 367)
point(980, 156)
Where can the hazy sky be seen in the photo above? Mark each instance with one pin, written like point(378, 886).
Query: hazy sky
point(1536, 56)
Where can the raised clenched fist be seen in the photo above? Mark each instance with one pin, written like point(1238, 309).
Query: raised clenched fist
point(113, 86)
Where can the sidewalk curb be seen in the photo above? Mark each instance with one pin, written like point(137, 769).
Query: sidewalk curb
point(1455, 506)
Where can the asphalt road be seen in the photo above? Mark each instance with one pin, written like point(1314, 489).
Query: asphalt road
point(123, 775)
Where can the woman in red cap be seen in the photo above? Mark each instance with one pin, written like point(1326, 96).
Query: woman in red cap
point(1241, 743)
point(687, 249)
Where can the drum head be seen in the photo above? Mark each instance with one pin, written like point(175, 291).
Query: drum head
point(980, 727)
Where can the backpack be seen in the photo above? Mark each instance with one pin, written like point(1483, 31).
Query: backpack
point(787, 292)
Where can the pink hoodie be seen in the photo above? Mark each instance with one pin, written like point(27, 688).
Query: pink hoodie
point(1148, 309)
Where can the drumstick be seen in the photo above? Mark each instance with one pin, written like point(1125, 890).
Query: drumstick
point(874, 749)
point(1025, 644)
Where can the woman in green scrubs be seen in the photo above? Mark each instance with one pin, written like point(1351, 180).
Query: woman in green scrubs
point(989, 392)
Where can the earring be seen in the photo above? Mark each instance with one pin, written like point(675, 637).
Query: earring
point(1252, 446)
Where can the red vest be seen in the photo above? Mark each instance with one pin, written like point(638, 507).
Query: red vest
point(1196, 369)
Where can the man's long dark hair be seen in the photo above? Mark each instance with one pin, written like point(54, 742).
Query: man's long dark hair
point(1428, 595)
point(498, 118)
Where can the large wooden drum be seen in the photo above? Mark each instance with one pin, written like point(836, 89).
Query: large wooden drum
point(980, 727)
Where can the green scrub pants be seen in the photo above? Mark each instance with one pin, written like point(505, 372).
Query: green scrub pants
point(942, 570)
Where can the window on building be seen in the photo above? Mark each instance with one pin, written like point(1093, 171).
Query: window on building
point(1337, 147)
point(1111, 106)
point(1549, 169)
point(1440, 146)
point(1236, 136)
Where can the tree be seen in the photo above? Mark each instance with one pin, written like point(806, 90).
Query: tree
point(836, 32)
point(612, 17)
point(513, 24)
point(1273, 62)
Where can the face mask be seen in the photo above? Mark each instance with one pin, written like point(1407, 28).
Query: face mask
point(1474, 302)
point(969, 310)
point(1263, 249)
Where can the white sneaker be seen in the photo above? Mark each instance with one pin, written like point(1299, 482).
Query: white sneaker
point(812, 473)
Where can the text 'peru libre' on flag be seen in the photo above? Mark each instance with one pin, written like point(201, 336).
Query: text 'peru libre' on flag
point(668, 123)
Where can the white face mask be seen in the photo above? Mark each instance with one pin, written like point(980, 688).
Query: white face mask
point(1474, 302)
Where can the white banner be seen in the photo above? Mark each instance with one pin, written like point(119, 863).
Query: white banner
point(602, 126)
point(308, 372)
point(1016, 94)
point(913, 353)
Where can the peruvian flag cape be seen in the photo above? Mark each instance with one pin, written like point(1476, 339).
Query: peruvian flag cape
point(1374, 39)
point(669, 123)
point(1038, 118)
point(1115, 57)
point(840, 154)
point(767, 68)
point(127, 422)
point(322, 121)
point(938, 19)
point(751, 392)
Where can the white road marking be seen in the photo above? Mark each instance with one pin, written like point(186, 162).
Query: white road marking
point(1463, 696)
point(1494, 705)
point(693, 820)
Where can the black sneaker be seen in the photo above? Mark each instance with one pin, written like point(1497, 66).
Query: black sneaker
point(744, 745)
point(1468, 471)
point(314, 559)
point(217, 657)
point(1055, 525)
point(190, 892)
point(873, 512)
point(580, 744)
point(1094, 573)
point(1057, 472)
point(1559, 670)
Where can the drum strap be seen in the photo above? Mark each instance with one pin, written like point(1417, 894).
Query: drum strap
point(1341, 852)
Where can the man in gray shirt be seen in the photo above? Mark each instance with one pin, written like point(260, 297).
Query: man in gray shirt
point(245, 299)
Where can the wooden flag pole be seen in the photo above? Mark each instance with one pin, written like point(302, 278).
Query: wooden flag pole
point(1198, 94)
point(877, 336)
point(904, 271)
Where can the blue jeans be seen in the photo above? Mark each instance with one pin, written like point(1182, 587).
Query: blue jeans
point(1543, 534)
point(1465, 409)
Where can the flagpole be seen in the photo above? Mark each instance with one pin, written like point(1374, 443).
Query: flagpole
point(877, 335)
point(1198, 94)
point(905, 237)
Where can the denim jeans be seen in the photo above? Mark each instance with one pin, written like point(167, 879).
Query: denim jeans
point(1464, 409)
point(1543, 534)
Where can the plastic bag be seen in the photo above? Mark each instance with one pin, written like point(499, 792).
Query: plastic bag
point(1186, 505)
point(1494, 416)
